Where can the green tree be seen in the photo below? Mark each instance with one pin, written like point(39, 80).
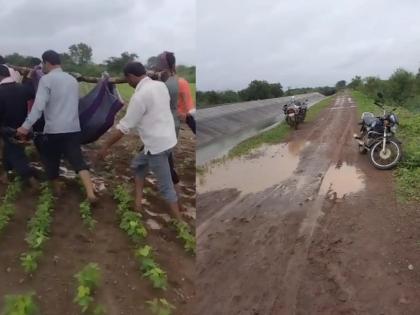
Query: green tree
point(276, 90)
point(17, 59)
point(340, 84)
point(115, 65)
point(81, 53)
point(356, 82)
point(187, 72)
point(400, 86)
point(256, 90)
point(229, 96)
point(372, 85)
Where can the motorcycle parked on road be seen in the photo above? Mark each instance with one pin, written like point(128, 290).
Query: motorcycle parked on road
point(295, 113)
point(377, 136)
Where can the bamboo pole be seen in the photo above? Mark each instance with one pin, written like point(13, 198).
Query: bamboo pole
point(24, 71)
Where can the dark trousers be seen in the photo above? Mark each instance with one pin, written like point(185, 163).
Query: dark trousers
point(15, 159)
point(191, 122)
point(174, 175)
point(54, 147)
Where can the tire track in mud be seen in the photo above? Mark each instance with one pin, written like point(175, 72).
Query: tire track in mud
point(286, 302)
point(251, 254)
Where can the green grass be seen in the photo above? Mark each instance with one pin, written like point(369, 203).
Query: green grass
point(85, 88)
point(364, 103)
point(125, 90)
point(407, 175)
point(193, 89)
point(272, 136)
point(315, 110)
point(276, 134)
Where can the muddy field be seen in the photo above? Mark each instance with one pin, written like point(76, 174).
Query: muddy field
point(72, 245)
point(306, 227)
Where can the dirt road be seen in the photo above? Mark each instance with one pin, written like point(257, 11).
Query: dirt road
point(306, 227)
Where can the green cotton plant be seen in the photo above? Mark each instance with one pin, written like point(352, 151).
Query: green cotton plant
point(89, 276)
point(86, 214)
point(22, 304)
point(7, 208)
point(83, 298)
point(158, 278)
point(99, 310)
point(36, 238)
point(123, 196)
point(88, 279)
point(131, 223)
point(184, 233)
point(160, 307)
point(151, 270)
point(120, 193)
point(145, 257)
point(39, 229)
point(29, 261)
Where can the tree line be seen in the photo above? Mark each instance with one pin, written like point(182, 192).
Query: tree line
point(402, 88)
point(78, 58)
point(256, 90)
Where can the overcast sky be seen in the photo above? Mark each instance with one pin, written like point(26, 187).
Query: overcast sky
point(144, 27)
point(304, 43)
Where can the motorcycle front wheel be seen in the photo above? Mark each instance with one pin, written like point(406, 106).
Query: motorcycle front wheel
point(388, 159)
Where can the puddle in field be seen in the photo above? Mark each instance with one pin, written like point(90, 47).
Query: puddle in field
point(266, 167)
point(342, 180)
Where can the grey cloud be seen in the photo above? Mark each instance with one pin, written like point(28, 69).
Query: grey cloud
point(304, 43)
point(109, 27)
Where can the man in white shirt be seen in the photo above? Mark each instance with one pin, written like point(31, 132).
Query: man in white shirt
point(149, 113)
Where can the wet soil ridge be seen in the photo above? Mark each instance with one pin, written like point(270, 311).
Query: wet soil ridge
point(321, 240)
point(72, 245)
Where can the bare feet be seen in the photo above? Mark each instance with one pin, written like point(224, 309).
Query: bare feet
point(58, 187)
point(139, 207)
point(33, 185)
point(4, 178)
point(93, 200)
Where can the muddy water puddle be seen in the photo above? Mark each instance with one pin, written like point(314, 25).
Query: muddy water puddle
point(342, 180)
point(264, 168)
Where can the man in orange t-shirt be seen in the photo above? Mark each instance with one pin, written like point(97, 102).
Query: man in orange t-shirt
point(186, 106)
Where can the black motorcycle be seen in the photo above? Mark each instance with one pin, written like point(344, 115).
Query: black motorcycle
point(377, 136)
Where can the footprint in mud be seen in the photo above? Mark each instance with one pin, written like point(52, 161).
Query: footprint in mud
point(83, 238)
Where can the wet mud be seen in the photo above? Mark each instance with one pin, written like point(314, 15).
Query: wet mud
point(306, 227)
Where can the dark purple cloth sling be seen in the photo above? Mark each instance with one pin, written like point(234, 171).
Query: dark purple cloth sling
point(97, 109)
